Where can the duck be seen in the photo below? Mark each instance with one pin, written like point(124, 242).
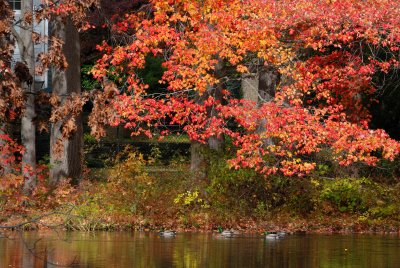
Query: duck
point(225, 233)
point(274, 235)
point(167, 233)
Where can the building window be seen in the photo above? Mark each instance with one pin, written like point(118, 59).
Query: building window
point(15, 4)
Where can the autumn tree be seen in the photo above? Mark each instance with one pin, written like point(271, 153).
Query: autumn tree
point(25, 72)
point(320, 50)
point(11, 100)
point(316, 65)
point(66, 131)
point(18, 84)
point(68, 162)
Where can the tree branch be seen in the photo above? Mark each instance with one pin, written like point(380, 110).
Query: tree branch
point(17, 36)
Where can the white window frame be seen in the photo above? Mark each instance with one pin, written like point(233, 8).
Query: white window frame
point(14, 3)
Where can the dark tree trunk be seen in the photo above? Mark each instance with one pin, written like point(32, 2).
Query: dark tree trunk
point(197, 160)
point(198, 163)
point(69, 165)
point(217, 142)
point(28, 129)
point(269, 79)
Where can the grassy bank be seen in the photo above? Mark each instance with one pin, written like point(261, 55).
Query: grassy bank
point(138, 193)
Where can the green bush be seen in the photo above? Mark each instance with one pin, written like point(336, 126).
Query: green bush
point(354, 194)
point(345, 194)
point(233, 192)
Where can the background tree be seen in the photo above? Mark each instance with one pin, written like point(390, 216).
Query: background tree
point(25, 71)
point(66, 161)
point(11, 100)
point(21, 94)
point(66, 136)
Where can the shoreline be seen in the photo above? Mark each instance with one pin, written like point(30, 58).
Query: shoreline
point(327, 226)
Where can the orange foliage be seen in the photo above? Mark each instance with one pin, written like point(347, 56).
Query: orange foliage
point(325, 50)
point(325, 95)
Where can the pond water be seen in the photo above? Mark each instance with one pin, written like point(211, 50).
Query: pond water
point(142, 249)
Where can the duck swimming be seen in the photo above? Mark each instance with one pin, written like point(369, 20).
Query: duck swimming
point(167, 233)
point(274, 235)
point(225, 233)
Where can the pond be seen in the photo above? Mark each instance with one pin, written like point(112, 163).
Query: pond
point(144, 249)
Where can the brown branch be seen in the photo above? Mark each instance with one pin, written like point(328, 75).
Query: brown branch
point(37, 220)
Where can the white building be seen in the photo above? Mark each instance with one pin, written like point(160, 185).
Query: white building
point(41, 28)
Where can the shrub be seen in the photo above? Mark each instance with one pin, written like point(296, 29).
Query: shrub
point(351, 194)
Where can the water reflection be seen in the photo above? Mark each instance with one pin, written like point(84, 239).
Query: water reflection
point(129, 249)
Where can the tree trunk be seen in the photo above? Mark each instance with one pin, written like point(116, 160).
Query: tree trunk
point(250, 86)
point(69, 165)
point(269, 79)
point(197, 149)
point(198, 163)
point(28, 129)
point(260, 87)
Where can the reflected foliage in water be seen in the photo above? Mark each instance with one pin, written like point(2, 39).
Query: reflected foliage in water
point(128, 249)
